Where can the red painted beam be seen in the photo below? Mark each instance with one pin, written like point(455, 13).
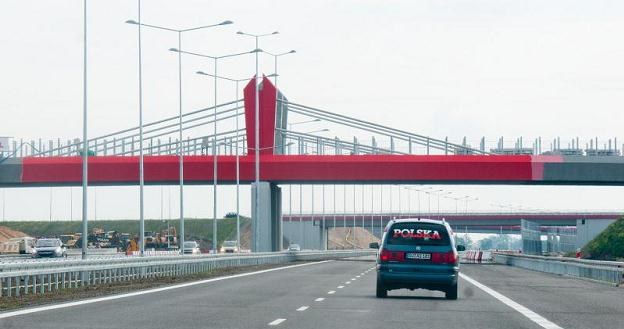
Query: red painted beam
point(289, 168)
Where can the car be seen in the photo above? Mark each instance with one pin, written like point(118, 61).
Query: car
point(191, 247)
point(47, 247)
point(417, 254)
point(229, 247)
point(293, 247)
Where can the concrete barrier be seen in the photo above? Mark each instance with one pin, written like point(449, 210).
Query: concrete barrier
point(600, 271)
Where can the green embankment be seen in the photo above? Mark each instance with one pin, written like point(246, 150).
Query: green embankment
point(608, 245)
point(195, 228)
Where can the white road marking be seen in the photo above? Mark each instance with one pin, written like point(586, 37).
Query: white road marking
point(353, 279)
point(348, 282)
point(340, 287)
point(303, 308)
point(357, 276)
point(540, 320)
point(362, 273)
point(144, 292)
point(276, 322)
point(331, 292)
point(320, 299)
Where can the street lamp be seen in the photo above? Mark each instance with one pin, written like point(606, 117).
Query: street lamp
point(290, 125)
point(275, 75)
point(257, 126)
point(428, 191)
point(180, 150)
point(214, 152)
point(84, 136)
point(438, 195)
point(237, 155)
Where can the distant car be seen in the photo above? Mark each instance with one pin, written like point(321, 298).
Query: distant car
point(229, 247)
point(191, 247)
point(231, 214)
point(417, 254)
point(294, 247)
point(49, 248)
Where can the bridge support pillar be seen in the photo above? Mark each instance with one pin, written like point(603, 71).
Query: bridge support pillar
point(266, 225)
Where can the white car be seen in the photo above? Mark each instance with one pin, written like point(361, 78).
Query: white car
point(191, 247)
point(294, 247)
point(49, 248)
point(229, 247)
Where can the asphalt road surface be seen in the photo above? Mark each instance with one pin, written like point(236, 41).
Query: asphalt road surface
point(340, 294)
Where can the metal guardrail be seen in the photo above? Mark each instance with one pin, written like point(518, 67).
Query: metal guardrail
point(73, 274)
point(602, 271)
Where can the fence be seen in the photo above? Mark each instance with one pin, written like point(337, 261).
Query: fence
point(602, 271)
point(39, 280)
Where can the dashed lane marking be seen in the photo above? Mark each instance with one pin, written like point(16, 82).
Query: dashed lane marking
point(276, 322)
point(320, 299)
point(303, 308)
point(145, 292)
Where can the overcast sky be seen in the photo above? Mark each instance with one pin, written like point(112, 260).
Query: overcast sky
point(441, 68)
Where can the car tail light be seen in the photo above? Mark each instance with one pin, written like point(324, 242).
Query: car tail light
point(391, 256)
point(444, 258)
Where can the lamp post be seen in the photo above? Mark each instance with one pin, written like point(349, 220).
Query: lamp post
point(275, 74)
point(469, 200)
point(438, 195)
point(257, 125)
point(84, 136)
point(429, 190)
point(214, 149)
point(237, 81)
point(180, 149)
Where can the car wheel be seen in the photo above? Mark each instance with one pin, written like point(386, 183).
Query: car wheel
point(451, 292)
point(381, 290)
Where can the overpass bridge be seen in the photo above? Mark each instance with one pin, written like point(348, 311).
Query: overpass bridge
point(295, 157)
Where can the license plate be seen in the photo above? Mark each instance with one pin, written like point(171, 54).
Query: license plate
point(417, 255)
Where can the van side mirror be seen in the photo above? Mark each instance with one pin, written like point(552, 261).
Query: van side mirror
point(373, 245)
point(461, 247)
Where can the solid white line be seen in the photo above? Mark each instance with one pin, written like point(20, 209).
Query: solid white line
point(320, 299)
point(144, 292)
point(303, 308)
point(540, 320)
point(276, 322)
point(340, 287)
point(331, 292)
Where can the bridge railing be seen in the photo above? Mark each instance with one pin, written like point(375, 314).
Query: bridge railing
point(85, 273)
point(601, 271)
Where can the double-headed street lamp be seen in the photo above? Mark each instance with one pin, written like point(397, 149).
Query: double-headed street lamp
point(275, 56)
point(214, 152)
point(180, 149)
point(256, 128)
point(237, 81)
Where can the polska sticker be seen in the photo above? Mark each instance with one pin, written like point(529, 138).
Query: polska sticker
point(416, 234)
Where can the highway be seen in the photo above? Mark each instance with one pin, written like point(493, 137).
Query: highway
point(340, 294)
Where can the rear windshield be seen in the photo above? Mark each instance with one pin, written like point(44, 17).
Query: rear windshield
point(426, 234)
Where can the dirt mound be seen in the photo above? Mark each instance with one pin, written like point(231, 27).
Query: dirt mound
point(349, 238)
point(7, 233)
